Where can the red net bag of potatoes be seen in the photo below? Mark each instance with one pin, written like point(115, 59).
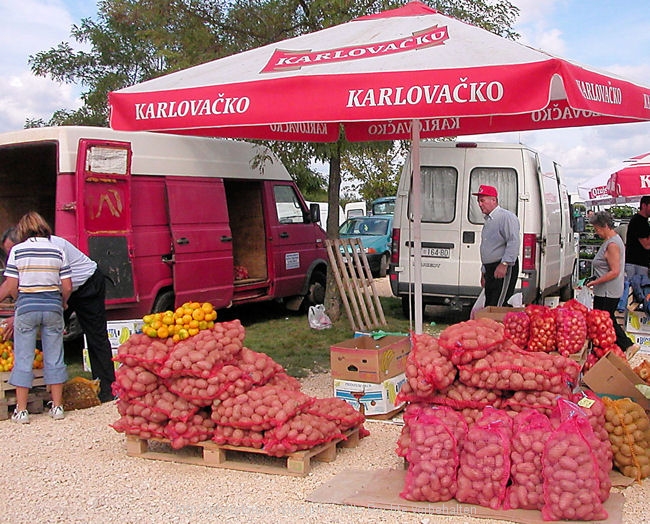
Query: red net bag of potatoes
point(570, 472)
point(199, 391)
point(516, 370)
point(600, 328)
point(428, 369)
point(198, 428)
point(433, 455)
point(484, 467)
point(629, 433)
point(133, 382)
point(284, 381)
point(338, 411)
point(204, 352)
point(571, 331)
point(238, 437)
point(531, 430)
point(577, 306)
point(303, 431)
point(142, 350)
point(516, 326)
point(472, 339)
point(542, 329)
point(131, 422)
point(137, 409)
point(541, 401)
point(260, 408)
point(460, 396)
point(248, 370)
point(166, 405)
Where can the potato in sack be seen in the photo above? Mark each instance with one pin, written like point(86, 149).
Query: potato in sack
point(472, 339)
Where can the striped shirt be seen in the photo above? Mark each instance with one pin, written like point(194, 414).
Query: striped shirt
point(39, 266)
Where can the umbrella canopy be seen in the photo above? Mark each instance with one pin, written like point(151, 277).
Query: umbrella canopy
point(374, 75)
point(406, 73)
point(631, 180)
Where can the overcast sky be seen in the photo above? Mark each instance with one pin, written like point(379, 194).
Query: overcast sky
point(611, 35)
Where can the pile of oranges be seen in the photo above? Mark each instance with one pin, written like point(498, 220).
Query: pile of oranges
point(7, 357)
point(185, 322)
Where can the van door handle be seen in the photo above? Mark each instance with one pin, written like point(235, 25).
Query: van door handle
point(284, 234)
point(183, 240)
point(224, 238)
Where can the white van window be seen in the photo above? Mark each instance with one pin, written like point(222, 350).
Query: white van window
point(287, 205)
point(439, 193)
point(504, 179)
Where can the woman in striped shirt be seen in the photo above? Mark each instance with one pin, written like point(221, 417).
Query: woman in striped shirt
point(38, 273)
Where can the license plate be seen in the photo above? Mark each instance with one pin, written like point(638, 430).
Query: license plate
point(436, 252)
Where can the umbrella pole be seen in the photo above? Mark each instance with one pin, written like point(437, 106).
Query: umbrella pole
point(416, 187)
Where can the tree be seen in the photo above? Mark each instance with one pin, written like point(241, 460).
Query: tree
point(136, 40)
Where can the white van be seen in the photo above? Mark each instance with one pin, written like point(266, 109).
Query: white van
point(324, 212)
point(355, 209)
point(528, 185)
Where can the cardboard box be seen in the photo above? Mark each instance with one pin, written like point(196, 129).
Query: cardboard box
point(643, 340)
point(496, 313)
point(611, 376)
point(364, 359)
point(637, 322)
point(118, 332)
point(377, 399)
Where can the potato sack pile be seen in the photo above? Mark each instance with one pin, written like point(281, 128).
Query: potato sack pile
point(496, 415)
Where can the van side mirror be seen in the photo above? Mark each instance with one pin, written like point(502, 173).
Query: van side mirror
point(314, 213)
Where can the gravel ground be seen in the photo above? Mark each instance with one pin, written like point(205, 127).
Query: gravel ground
point(77, 470)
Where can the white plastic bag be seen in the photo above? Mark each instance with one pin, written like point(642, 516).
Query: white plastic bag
point(516, 300)
point(318, 319)
point(479, 304)
point(585, 296)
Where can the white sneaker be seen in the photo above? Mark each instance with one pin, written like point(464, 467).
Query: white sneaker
point(57, 413)
point(20, 417)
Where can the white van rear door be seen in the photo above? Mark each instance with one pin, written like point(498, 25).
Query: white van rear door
point(550, 267)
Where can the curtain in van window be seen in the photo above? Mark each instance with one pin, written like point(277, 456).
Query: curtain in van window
point(504, 179)
point(438, 193)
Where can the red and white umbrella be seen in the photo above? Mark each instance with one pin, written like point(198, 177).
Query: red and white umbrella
point(407, 73)
point(632, 179)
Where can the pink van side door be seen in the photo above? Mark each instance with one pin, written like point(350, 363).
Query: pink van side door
point(201, 240)
point(103, 214)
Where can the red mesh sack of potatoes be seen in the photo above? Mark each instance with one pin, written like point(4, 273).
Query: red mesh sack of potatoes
point(284, 381)
point(484, 467)
point(131, 422)
point(166, 404)
point(248, 370)
point(542, 329)
point(428, 369)
point(541, 401)
point(260, 408)
point(199, 391)
point(600, 328)
point(204, 352)
point(531, 429)
point(338, 411)
point(238, 437)
point(460, 396)
point(571, 474)
point(133, 382)
point(628, 428)
point(472, 339)
point(577, 306)
point(303, 431)
point(433, 455)
point(571, 331)
point(142, 350)
point(516, 325)
point(133, 408)
point(516, 370)
point(198, 428)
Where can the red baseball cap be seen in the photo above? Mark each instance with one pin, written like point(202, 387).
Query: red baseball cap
point(486, 191)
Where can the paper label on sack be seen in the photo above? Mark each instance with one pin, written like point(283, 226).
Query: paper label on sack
point(586, 402)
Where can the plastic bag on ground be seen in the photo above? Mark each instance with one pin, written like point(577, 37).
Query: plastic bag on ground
point(317, 317)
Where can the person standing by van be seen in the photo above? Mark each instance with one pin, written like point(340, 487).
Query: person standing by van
point(608, 273)
point(499, 248)
point(39, 275)
point(87, 302)
point(637, 241)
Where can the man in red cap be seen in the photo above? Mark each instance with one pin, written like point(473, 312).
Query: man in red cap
point(499, 248)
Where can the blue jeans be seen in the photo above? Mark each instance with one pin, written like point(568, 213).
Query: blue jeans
point(26, 326)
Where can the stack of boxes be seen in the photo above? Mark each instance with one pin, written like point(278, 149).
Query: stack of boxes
point(369, 373)
point(637, 326)
point(118, 332)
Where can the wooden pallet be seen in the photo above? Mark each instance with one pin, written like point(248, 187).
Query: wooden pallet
point(239, 458)
point(7, 389)
point(35, 403)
